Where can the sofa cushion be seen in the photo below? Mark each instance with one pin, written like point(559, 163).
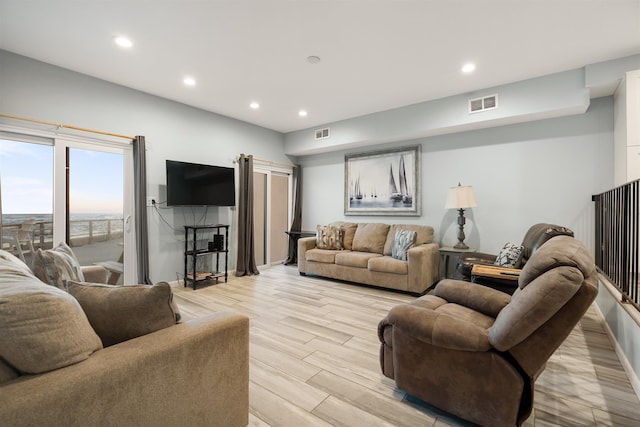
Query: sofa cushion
point(386, 264)
point(403, 240)
point(355, 259)
point(7, 373)
point(424, 234)
point(120, 313)
point(349, 229)
point(326, 256)
point(370, 237)
point(329, 237)
point(56, 266)
point(510, 255)
point(42, 328)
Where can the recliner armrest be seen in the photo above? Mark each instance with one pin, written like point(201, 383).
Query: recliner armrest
point(437, 329)
point(479, 298)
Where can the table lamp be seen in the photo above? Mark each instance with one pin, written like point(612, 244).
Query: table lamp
point(461, 198)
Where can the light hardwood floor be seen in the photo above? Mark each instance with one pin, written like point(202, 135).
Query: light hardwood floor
point(314, 359)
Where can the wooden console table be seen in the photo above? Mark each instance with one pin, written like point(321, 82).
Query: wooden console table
point(495, 272)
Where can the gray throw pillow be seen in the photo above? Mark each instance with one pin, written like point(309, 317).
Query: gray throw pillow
point(404, 239)
point(56, 266)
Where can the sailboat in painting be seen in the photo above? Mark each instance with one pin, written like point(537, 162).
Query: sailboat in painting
point(403, 193)
point(394, 194)
point(356, 190)
point(407, 198)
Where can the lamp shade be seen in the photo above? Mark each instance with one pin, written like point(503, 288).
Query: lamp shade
point(461, 197)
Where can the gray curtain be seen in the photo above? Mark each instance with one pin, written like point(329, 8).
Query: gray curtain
point(246, 260)
point(140, 209)
point(296, 225)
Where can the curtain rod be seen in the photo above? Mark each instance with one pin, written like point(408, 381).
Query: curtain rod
point(270, 161)
point(44, 122)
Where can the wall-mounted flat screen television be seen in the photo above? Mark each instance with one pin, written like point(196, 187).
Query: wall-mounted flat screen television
point(192, 184)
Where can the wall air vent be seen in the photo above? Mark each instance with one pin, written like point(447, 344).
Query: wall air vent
point(483, 104)
point(322, 133)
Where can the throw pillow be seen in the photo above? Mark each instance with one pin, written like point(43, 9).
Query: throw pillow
point(370, 237)
point(509, 256)
point(404, 239)
point(42, 328)
point(329, 237)
point(56, 266)
point(120, 313)
point(348, 230)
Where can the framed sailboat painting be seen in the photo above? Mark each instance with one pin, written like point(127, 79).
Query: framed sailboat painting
point(383, 182)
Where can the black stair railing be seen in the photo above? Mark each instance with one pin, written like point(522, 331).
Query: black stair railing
point(617, 238)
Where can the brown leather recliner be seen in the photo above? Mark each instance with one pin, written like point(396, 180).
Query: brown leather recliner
point(476, 352)
point(535, 237)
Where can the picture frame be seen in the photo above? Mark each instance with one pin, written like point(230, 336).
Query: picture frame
point(385, 182)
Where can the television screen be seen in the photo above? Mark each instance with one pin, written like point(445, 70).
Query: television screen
point(191, 184)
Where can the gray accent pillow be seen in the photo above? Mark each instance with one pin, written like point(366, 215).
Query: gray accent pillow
point(56, 266)
point(404, 239)
point(120, 313)
point(510, 256)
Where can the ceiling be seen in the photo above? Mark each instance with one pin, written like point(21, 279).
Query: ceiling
point(374, 55)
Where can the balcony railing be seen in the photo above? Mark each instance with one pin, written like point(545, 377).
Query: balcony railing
point(617, 238)
point(83, 232)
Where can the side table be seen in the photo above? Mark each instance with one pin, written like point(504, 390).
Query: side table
point(446, 253)
point(294, 236)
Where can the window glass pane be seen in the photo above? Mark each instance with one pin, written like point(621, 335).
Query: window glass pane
point(96, 209)
point(26, 197)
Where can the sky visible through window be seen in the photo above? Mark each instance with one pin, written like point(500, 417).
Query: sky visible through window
point(26, 174)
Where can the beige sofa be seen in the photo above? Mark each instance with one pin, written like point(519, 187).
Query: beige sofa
point(366, 257)
point(65, 362)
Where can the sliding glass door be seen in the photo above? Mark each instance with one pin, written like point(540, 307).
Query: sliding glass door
point(95, 208)
point(271, 208)
point(70, 190)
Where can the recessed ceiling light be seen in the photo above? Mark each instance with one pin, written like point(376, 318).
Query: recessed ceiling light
point(254, 105)
point(302, 113)
point(469, 67)
point(313, 59)
point(189, 81)
point(123, 42)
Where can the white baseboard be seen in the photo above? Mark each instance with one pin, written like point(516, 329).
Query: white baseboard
point(628, 368)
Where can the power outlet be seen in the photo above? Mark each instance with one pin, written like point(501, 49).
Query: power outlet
point(151, 201)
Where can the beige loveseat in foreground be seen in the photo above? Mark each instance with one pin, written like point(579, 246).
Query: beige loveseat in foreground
point(366, 257)
point(57, 370)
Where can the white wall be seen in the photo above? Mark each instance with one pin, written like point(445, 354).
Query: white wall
point(542, 171)
point(173, 131)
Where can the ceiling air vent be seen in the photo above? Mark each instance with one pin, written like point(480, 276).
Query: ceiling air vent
point(483, 104)
point(322, 133)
